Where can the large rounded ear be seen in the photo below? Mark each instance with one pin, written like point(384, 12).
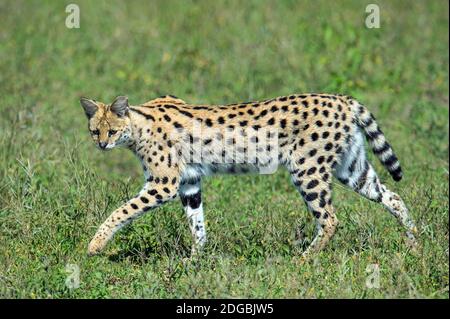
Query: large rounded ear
point(120, 106)
point(89, 107)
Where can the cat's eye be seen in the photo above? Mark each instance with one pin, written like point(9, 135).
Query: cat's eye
point(95, 132)
point(111, 132)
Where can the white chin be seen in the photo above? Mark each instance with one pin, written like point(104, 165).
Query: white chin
point(110, 146)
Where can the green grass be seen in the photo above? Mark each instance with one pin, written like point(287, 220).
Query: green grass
point(56, 188)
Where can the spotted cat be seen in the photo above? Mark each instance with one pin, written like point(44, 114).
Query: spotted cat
point(314, 136)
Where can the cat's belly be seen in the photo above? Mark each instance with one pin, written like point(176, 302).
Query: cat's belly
point(194, 172)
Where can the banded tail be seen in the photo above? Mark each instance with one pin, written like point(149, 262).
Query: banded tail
point(377, 141)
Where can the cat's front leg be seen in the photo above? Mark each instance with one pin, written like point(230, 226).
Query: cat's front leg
point(191, 198)
point(153, 194)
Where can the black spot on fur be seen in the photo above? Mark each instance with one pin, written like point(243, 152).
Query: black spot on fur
point(312, 184)
point(310, 197)
point(193, 200)
point(177, 125)
point(301, 142)
point(312, 152)
point(311, 171)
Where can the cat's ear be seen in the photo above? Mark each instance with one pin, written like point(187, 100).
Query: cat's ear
point(89, 107)
point(120, 106)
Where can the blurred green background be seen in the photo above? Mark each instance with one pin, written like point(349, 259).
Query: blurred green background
point(56, 188)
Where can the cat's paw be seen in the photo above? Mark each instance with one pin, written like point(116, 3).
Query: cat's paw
point(96, 246)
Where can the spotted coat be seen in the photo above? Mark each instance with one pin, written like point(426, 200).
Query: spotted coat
point(315, 136)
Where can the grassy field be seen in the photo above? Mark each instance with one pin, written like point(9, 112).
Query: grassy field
point(56, 188)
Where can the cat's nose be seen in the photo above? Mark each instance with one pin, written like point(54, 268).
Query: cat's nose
point(102, 145)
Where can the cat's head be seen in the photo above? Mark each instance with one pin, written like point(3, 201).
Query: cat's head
point(109, 124)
